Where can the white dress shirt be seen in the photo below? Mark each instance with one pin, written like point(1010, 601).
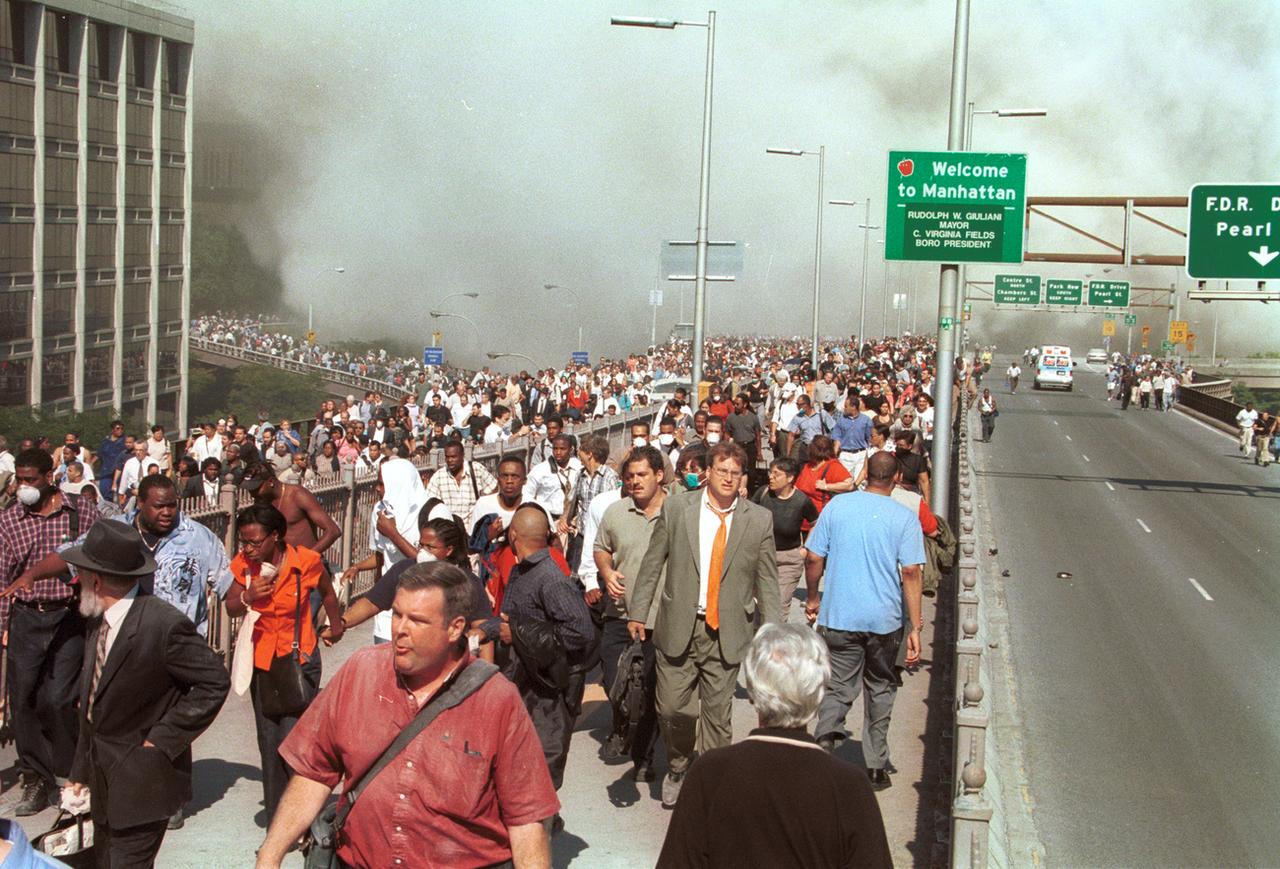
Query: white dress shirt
point(548, 485)
point(114, 615)
point(708, 525)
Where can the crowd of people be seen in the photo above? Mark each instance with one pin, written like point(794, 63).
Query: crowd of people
point(775, 488)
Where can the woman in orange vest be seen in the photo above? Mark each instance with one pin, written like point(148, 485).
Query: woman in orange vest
point(278, 579)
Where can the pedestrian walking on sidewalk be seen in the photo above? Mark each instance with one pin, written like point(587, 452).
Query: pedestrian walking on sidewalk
point(987, 412)
point(870, 549)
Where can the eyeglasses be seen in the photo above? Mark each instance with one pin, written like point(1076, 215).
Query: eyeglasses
point(726, 473)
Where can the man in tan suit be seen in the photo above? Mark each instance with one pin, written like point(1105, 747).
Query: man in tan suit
point(720, 566)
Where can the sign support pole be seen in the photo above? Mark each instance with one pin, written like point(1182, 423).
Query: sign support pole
point(949, 284)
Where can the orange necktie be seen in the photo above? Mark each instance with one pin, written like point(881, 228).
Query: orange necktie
point(713, 572)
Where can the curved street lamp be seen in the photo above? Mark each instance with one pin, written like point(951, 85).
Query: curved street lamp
point(531, 360)
point(576, 297)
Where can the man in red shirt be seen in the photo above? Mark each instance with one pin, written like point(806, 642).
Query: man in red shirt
point(472, 789)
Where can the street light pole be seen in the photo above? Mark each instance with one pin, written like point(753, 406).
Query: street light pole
point(884, 295)
point(817, 243)
point(577, 298)
point(866, 227)
point(949, 284)
point(495, 355)
point(704, 182)
point(436, 315)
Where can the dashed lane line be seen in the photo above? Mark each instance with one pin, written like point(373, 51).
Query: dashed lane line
point(1086, 458)
point(1109, 486)
point(1068, 437)
point(1200, 588)
point(1144, 526)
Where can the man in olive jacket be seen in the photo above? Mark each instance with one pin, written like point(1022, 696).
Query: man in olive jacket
point(720, 568)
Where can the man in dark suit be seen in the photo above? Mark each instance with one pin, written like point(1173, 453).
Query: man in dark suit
point(721, 567)
point(207, 483)
point(150, 685)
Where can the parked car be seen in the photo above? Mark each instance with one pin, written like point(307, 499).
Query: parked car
point(1096, 355)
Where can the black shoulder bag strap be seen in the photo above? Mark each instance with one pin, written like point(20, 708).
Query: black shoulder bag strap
point(469, 681)
point(475, 489)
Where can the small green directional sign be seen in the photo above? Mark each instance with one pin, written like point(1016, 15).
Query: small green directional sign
point(1109, 294)
point(1017, 289)
point(1131, 319)
point(1057, 292)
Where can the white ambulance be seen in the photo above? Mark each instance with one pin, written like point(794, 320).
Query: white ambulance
point(1054, 368)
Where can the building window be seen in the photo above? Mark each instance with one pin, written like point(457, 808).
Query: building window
point(59, 311)
point(15, 382)
point(141, 59)
point(56, 376)
point(97, 369)
point(15, 47)
point(134, 364)
point(99, 307)
point(15, 316)
point(104, 51)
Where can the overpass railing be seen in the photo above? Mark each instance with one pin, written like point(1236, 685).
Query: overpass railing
point(348, 498)
point(1207, 397)
point(971, 809)
point(357, 382)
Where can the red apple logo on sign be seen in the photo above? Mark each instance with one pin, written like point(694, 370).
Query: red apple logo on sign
point(906, 167)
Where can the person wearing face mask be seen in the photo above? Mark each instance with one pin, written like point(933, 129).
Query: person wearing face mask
point(46, 631)
point(275, 579)
point(691, 469)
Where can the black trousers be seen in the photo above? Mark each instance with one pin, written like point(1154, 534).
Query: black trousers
point(46, 652)
point(554, 714)
point(272, 732)
point(613, 641)
point(130, 848)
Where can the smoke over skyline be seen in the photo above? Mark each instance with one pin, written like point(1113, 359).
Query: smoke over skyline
point(433, 148)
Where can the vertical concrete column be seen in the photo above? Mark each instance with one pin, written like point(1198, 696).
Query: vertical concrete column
point(36, 36)
point(184, 349)
point(121, 50)
point(80, 45)
point(153, 258)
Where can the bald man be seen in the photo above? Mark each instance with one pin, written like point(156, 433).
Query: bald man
point(548, 638)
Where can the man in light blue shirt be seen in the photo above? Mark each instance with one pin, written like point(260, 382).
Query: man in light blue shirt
point(852, 434)
point(806, 425)
point(871, 549)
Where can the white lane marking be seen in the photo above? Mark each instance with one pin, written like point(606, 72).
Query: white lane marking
point(1086, 458)
point(1200, 588)
point(1109, 486)
point(1055, 422)
point(1068, 437)
point(1144, 526)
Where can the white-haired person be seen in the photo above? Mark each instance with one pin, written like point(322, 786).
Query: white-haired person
point(776, 799)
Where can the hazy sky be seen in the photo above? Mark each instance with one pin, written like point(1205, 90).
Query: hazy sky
point(432, 148)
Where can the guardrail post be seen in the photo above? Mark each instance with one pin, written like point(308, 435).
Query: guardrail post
point(970, 813)
point(348, 513)
point(227, 504)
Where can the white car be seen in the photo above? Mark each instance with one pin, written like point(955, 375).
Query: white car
point(1096, 355)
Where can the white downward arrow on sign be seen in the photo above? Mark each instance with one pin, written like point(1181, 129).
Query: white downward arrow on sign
point(1264, 255)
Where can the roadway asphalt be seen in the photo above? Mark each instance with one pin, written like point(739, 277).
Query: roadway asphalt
point(1146, 679)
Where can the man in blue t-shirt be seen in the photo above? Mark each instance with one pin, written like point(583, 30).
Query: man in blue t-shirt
point(871, 549)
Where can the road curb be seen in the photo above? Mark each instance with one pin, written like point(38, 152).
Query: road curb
point(1022, 844)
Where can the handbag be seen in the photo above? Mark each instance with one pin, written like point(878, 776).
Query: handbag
point(242, 654)
point(284, 690)
point(321, 851)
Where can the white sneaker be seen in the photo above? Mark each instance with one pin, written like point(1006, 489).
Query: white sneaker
point(671, 789)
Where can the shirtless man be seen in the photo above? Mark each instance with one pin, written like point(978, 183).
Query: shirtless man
point(309, 525)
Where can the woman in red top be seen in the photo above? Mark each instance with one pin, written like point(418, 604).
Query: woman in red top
point(823, 477)
point(278, 579)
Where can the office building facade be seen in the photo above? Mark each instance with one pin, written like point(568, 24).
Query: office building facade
point(95, 206)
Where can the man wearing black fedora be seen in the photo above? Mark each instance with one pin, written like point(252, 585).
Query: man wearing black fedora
point(149, 686)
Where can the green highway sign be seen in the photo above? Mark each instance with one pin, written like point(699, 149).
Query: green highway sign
point(1017, 289)
point(1166, 346)
point(1109, 294)
point(1130, 319)
point(955, 206)
point(946, 322)
point(1058, 292)
point(1231, 231)
point(1108, 316)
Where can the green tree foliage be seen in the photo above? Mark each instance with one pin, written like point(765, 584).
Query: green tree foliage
point(215, 392)
point(224, 275)
point(17, 423)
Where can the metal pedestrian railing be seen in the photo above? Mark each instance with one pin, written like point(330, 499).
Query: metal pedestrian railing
point(971, 812)
point(348, 498)
point(356, 381)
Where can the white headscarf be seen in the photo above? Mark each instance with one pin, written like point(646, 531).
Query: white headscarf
point(403, 497)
